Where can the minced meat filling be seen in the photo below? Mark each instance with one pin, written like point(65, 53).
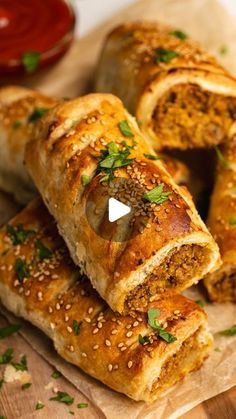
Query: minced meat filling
point(224, 289)
point(188, 116)
point(176, 270)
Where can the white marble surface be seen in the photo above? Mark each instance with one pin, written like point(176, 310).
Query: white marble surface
point(93, 12)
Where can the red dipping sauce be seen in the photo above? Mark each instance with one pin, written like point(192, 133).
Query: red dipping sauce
point(42, 26)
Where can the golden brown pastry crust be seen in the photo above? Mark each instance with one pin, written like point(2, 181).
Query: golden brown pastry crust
point(177, 91)
point(16, 105)
point(221, 285)
point(67, 145)
point(107, 346)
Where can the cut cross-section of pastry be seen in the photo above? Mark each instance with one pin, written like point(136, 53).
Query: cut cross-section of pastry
point(19, 109)
point(90, 149)
point(180, 95)
point(139, 355)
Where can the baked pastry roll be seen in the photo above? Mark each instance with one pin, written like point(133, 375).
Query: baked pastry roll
point(19, 109)
point(221, 285)
point(90, 149)
point(39, 282)
point(180, 95)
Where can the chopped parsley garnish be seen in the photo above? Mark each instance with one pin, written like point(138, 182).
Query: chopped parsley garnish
point(76, 327)
point(143, 339)
point(232, 221)
point(153, 313)
point(200, 303)
point(25, 386)
point(151, 157)
point(85, 180)
point(125, 129)
point(5, 332)
point(221, 157)
point(82, 405)
point(56, 375)
point(7, 356)
point(37, 114)
point(39, 406)
point(229, 332)
point(22, 269)
point(164, 55)
point(179, 34)
point(43, 251)
point(30, 61)
point(157, 195)
point(1, 383)
point(16, 124)
point(22, 365)
point(217, 349)
point(111, 158)
point(71, 413)
point(223, 50)
point(63, 398)
point(18, 234)
point(3, 417)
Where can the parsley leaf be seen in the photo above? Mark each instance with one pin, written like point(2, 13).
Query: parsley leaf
point(232, 221)
point(85, 180)
point(111, 158)
point(143, 339)
point(82, 405)
point(30, 61)
point(1, 383)
point(16, 124)
point(76, 327)
point(43, 251)
point(25, 386)
point(37, 114)
point(7, 356)
point(63, 397)
point(153, 313)
point(125, 129)
point(179, 34)
point(164, 55)
point(229, 332)
point(39, 406)
point(56, 375)
point(18, 234)
point(151, 157)
point(223, 50)
point(200, 303)
point(21, 268)
point(221, 157)
point(157, 195)
point(9, 330)
point(22, 365)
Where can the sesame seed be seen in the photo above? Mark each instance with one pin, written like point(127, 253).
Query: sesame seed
point(90, 310)
point(27, 293)
point(21, 289)
point(55, 276)
point(108, 342)
point(95, 347)
point(130, 363)
point(116, 274)
point(58, 306)
point(120, 345)
point(72, 349)
point(177, 312)
point(99, 325)
point(52, 325)
point(116, 366)
point(66, 318)
point(50, 310)
point(129, 334)
point(41, 278)
point(135, 324)
point(114, 331)
point(40, 296)
point(69, 329)
point(84, 355)
point(68, 306)
point(110, 367)
point(123, 348)
point(16, 283)
point(87, 319)
point(95, 331)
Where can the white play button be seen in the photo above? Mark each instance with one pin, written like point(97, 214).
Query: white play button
point(116, 210)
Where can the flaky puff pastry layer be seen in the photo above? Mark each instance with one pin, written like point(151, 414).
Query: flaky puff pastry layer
point(177, 91)
point(158, 248)
point(55, 297)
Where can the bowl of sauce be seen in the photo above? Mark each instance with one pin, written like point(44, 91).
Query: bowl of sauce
point(33, 34)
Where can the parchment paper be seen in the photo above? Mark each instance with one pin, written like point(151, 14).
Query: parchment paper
point(208, 22)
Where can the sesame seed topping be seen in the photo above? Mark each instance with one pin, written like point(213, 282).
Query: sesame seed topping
point(58, 306)
point(72, 349)
point(130, 363)
point(110, 367)
point(84, 355)
point(87, 319)
point(108, 342)
point(135, 324)
point(95, 347)
point(66, 318)
point(69, 329)
point(120, 345)
point(90, 310)
point(123, 348)
point(68, 306)
point(50, 310)
point(95, 331)
point(129, 334)
point(40, 296)
point(99, 325)
point(27, 293)
point(114, 331)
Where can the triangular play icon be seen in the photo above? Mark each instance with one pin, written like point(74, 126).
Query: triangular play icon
point(116, 210)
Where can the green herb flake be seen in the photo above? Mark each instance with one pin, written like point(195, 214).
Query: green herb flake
point(18, 234)
point(85, 180)
point(26, 386)
point(22, 365)
point(56, 375)
point(63, 397)
point(37, 114)
point(7, 356)
point(153, 313)
point(221, 157)
point(30, 61)
point(200, 303)
point(9, 330)
point(223, 50)
point(151, 157)
point(3, 417)
point(232, 221)
point(1, 383)
point(76, 327)
point(16, 124)
point(39, 406)
point(22, 269)
point(125, 129)
point(164, 55)
point(179, 34)
point(82, 405)
point(112, 158)
point(143, 339)
point(43, 251)
point(217, 349)
point(157, 195)
point(71, 413)
point(229, 332)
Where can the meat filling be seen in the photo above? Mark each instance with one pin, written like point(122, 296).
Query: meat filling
point(223, 289)
point(188, 116)
point(172, 276)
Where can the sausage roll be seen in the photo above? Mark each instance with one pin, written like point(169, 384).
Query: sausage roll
point(180, 95)
point(89, 150)
point(19, 109)
point(221, 285)
point(139, 355)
